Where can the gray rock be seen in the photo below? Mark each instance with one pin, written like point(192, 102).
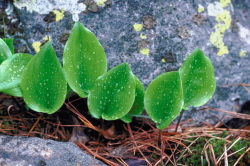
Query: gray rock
point(32, 151)
point(173, 29)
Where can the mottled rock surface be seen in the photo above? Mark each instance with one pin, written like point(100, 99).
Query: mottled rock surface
point(24, 151)
point(152, 36)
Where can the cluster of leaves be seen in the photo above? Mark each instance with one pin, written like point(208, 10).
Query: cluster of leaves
point(115, 94)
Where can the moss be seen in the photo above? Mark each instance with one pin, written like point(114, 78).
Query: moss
point(198, 156)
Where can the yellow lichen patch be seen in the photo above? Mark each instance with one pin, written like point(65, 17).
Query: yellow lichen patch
point(47, 38)
point(59, 14)
point(200, 8)
point(37, 46)
point(224, 18)
point(243, 53)
point(101, 2)
point(145, 51)
point(143, 36)
point(216, 38)
point(138, 27)
point(225, 3)
point(222, 50)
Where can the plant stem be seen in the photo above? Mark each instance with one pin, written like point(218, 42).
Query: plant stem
point(160, 144)
point(182, 111)
point(159, 138)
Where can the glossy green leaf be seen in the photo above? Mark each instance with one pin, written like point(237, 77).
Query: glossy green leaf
point(197, 75)
point(138, 105)
point(113, 94)
point(84, 59)
point(10, 73)
point(4, 51)
point(43, 82)
point(10, 44)
point(163, 99)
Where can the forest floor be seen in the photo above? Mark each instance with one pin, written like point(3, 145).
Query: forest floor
point(134, 144)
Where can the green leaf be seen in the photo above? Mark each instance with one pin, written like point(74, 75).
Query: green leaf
point(197, 75)
point(43, 82)
point(84, 59)
point(113, 94)
point(9, 42)
point(163, 99)
point(4, 51)
point(138, 105)
point(10, 73)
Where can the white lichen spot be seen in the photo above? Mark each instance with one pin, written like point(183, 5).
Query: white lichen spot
point(45, 6)
point(214, 9)
point(244, 33)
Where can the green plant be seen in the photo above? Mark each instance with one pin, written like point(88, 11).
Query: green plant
point(193, 84)
point(113, 94)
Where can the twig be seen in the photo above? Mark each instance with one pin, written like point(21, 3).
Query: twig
point(211, 148)
point(236, 115)
point(132, 136)
point(238, 160)
point(228, 149)
point(207, 158)
point(96, 155)
point(242, 84)
point(225, 154)
point(32, 128)
point(188, 148)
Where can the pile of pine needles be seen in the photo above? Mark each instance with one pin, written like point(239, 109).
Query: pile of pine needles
point(118, 143)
